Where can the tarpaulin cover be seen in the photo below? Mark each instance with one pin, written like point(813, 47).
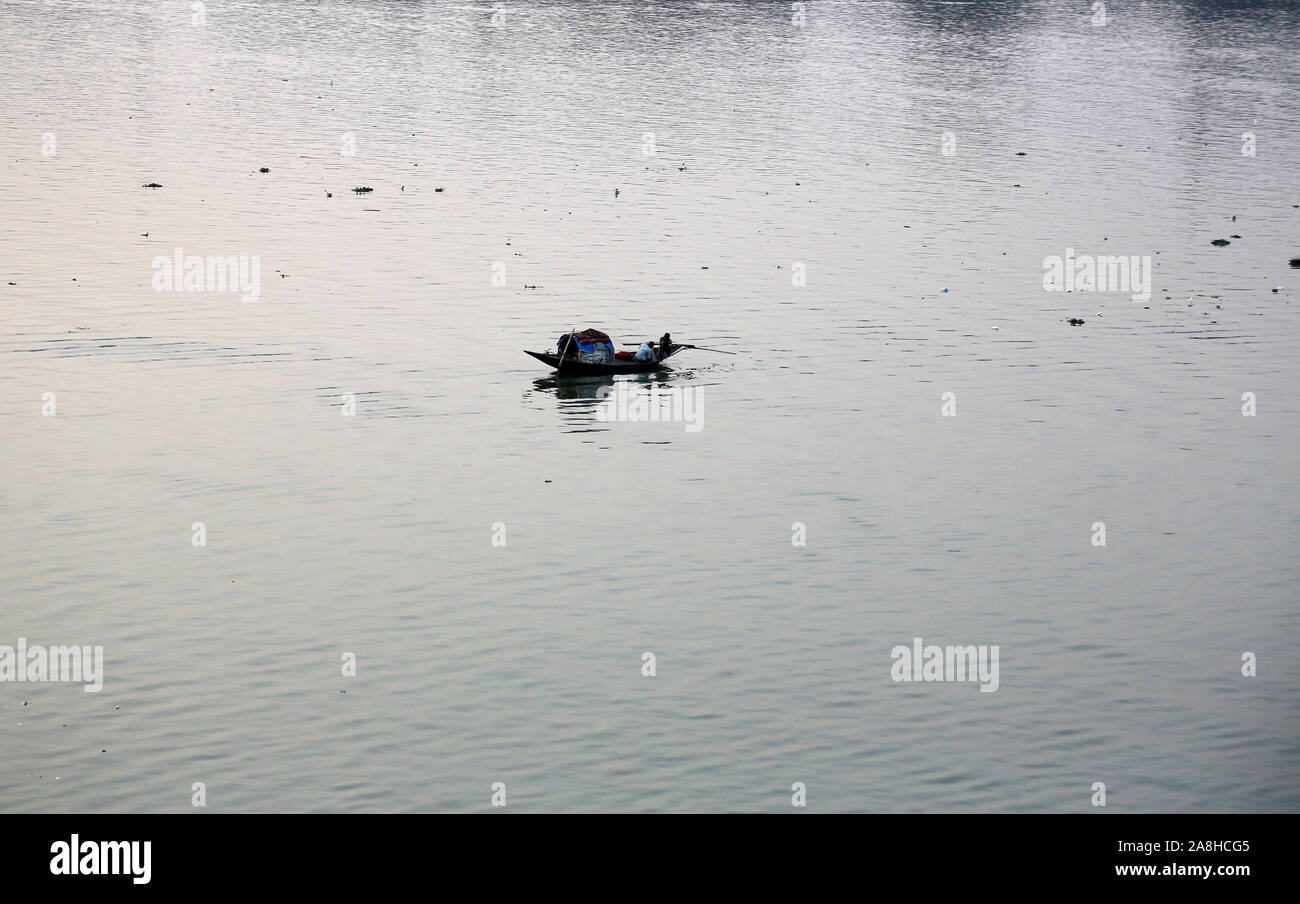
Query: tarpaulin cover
point(593, 347)
point(585, 340)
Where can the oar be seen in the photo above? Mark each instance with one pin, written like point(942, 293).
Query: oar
point(703, 349)
point(567, 342)
point(683, 345)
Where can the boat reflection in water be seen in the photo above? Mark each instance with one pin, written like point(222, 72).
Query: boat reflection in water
point(579, 399)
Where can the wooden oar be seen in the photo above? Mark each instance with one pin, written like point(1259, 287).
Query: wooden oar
point(683, 345)
point(703, 349)
point(567, 342)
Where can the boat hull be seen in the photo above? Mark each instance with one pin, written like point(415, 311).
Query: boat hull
point(571, 368)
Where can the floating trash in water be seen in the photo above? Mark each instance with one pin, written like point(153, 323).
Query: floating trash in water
point(1220, 242)
point(151, 185)
point(1075, 321)
point(362, 189)
point(264, 170)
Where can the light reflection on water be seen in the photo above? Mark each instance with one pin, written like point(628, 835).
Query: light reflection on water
point(774, 145)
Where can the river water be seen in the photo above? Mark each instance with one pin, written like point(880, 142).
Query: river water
point(857, 198)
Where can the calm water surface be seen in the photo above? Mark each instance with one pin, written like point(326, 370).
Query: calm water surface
point(774, 145)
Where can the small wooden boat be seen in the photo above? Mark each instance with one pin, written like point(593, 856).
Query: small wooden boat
point(571, 367)
point(591, 354)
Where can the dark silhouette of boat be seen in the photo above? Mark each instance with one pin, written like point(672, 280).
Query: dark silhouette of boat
point(570, 367)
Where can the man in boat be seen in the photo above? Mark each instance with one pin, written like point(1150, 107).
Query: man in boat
point(647, 351)
point(665, 346)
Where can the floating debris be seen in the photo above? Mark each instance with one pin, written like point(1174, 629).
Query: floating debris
point(264, 170)
point(1219, 243)
point(1294, 262)
point(440, 189)
point(152, 185)
point(1075, 321)
point(362, 189)
point(1235, 236)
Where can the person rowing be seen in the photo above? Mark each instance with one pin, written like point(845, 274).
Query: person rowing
point(665, 346)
